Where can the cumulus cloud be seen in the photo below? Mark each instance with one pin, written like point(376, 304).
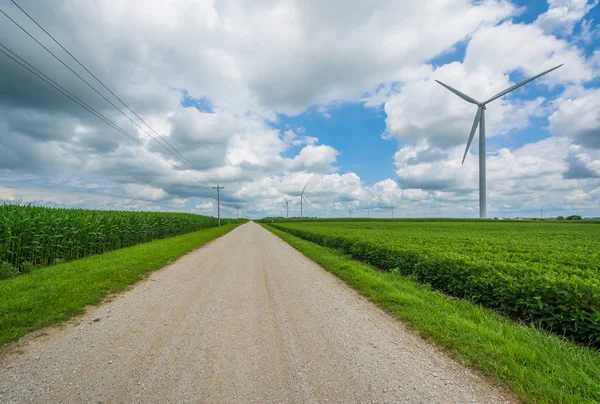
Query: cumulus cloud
point(423, 109)
point(313, 158)
point(536, 174)
point(214, 79)
point(578, 115)
point(144, 192)
point(563, 15)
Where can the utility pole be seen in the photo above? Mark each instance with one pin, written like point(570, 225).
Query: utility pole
point(237, 216)
point(218, 188)
point(542, 213)
point(392, 211)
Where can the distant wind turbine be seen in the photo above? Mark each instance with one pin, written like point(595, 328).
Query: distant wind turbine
point(301, 195)
point(480, 121)
point(287, 208)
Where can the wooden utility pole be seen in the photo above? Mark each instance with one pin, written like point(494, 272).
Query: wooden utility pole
point(218, 188)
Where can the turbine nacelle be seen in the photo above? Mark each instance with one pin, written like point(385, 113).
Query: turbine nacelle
point(481, 105)
point(500, 94)
point(480, 122)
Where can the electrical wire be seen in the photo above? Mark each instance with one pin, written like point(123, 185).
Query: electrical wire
point(36, 72)
point(103, 85)
point(93, 88)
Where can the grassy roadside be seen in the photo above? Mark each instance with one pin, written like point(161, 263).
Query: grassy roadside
point(536, 366)
point(57, 293)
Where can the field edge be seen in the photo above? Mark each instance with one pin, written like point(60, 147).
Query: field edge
point(537, 366)
point(52, 295)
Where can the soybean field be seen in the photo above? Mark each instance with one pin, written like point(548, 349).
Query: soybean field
point(32, 237)
point(546, 274)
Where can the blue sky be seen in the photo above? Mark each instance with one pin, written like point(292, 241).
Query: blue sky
point(355, 131)
point(266, 97)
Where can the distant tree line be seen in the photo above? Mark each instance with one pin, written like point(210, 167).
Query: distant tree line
point(572, 217)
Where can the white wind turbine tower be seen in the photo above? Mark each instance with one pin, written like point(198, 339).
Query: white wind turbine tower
point(301, 195)
point(287, 209)
point(480, 121)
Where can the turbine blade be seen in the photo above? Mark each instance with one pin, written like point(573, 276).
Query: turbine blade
point(473, 129)
point(304, 189)
point(461, 95)
point(508, 90)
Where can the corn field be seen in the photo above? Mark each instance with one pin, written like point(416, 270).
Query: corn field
point(32, 237)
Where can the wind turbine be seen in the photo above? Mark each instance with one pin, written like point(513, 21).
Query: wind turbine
point(301, 195)
point(480, 121)
point(287, 209)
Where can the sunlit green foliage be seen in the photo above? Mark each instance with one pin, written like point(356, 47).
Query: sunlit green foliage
point(547, 274)
point(32, 237)
point(538, 367)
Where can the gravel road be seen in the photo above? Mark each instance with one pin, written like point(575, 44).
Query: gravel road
point(244, 319)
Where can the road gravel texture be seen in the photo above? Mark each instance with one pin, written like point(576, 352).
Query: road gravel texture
point(244, 319)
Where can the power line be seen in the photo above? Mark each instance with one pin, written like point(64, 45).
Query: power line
point(103, 85)
point(33, 70)
point(93, 88)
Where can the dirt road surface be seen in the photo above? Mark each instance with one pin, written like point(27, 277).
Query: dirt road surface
point(244, 319)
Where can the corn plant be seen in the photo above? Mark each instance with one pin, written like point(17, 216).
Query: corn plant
point(32, 237)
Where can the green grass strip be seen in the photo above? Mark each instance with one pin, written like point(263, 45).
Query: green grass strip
point(56, 293)
point(538, 367)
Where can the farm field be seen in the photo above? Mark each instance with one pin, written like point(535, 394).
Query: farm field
point(539, 367)
point(547, 274)
point(33, 237)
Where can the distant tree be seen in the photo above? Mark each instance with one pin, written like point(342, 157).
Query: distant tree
point(574, 217)
point(560, 218)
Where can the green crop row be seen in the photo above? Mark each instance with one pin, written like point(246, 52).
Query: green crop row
point(32, 237)
point(552, 294)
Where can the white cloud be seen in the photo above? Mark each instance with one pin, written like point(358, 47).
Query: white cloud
point(145, 192)
point(422, 109)
point(578, 116)
point(563, 15)
point(313, 158)
point(519, 180)
point(578, 196)
point(247, 62)
point(508, 47)
point(206, 206)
